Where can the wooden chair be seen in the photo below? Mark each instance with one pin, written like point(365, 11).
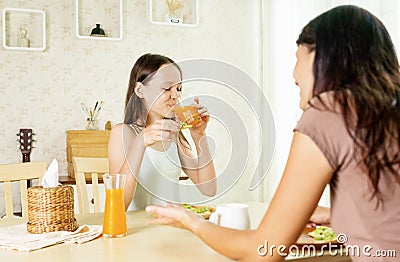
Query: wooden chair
point(95, 167)
point(21, 172)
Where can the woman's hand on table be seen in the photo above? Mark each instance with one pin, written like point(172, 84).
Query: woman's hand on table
point(175, 216)
point(321, 216)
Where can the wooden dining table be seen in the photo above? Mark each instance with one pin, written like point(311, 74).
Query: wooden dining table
point(143, 243)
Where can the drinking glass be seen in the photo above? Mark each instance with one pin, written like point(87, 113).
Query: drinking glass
point(114, 221)
point(187, 114)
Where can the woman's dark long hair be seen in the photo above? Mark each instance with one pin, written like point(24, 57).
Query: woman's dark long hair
point(355, 57)
point(135, 107)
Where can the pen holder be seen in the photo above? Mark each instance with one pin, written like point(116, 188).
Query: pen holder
point(91, 120)
point(92, 124)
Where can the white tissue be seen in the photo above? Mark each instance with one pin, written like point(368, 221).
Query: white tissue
point(50, 178)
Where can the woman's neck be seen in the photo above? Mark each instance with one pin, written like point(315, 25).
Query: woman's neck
point(152, 117)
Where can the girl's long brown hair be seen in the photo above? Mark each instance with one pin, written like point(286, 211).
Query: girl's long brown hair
point(355, 57)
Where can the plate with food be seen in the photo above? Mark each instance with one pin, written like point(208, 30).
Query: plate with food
point(204, 211)
point(318, 236)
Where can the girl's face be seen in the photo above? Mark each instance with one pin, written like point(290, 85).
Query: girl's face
point(162, 92)
point(303, 74)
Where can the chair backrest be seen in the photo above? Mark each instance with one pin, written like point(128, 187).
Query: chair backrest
point(94, 167)
point(21, 172)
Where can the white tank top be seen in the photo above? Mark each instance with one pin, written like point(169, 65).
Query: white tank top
point(158, 181)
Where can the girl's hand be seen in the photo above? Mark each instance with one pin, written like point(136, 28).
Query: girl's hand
point(175, 216)
point(160, 130)
point(321, 216)
point(200, 128)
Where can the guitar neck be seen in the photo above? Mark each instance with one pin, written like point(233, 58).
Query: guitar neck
point(26, 158)
point(25, 143)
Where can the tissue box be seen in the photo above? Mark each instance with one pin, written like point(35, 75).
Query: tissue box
point(51, 209)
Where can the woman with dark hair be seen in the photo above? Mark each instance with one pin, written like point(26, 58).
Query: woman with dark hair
point(347, 136)
point(149, 146)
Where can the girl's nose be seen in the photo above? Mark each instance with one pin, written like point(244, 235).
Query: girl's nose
point(174, 93)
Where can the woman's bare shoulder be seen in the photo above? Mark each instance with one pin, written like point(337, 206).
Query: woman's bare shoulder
point(121, 129)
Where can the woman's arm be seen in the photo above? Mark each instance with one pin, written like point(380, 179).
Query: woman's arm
point(305, 176)
point(201, 169)
point(321, 216)
point(125, 145)
point(126, 150)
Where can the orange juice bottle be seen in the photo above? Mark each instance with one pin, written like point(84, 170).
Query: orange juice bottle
point(114, 221)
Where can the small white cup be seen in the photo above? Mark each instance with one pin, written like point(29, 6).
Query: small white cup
point(233, 215)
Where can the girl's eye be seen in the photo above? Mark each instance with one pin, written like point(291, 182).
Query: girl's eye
point(179, 88)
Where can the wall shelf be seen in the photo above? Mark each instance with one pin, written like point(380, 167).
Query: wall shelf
point(186, 15)
point(107, 13)
point(32, 21)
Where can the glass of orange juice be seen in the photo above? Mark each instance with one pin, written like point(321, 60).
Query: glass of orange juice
point(114, 221)
point(188, 115)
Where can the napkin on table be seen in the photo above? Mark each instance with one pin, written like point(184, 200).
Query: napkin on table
point(18, 238)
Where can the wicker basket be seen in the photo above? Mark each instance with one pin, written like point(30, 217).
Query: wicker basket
point(51, 209)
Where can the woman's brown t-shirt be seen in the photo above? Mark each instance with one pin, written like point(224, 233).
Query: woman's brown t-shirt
point(369, 228)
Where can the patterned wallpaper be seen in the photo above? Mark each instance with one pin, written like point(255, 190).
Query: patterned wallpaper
point(43, 90)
